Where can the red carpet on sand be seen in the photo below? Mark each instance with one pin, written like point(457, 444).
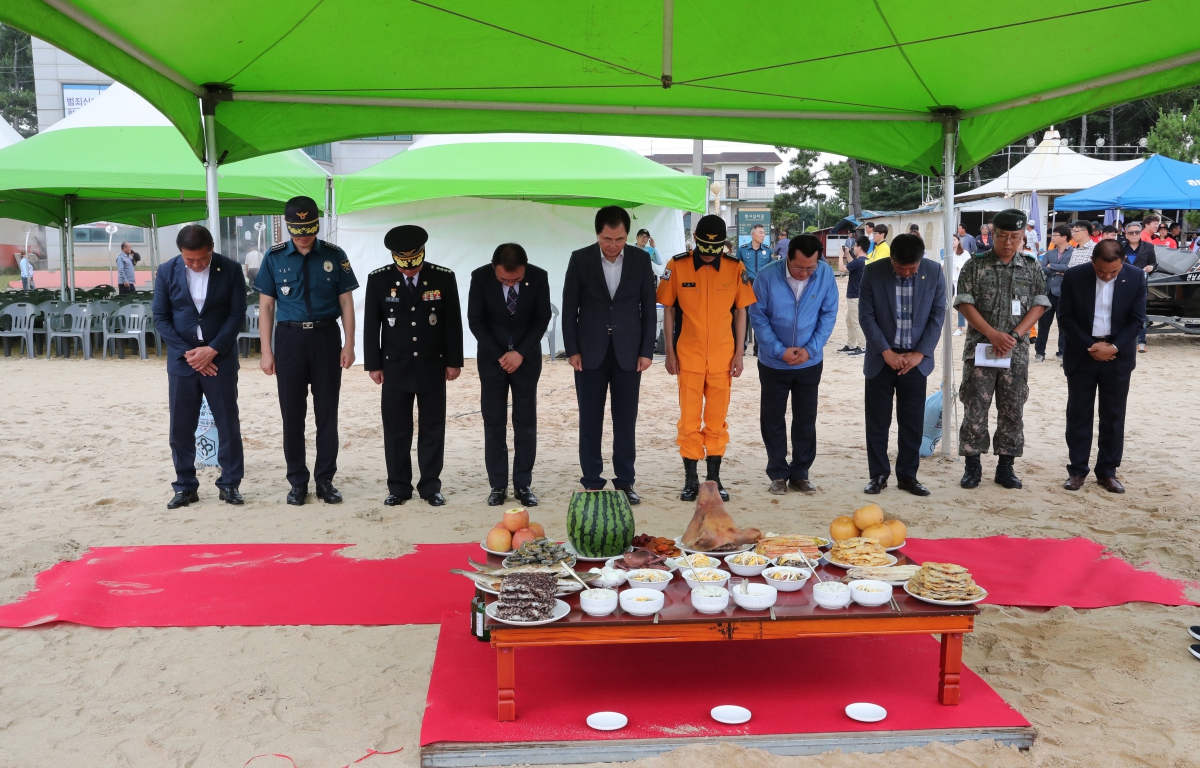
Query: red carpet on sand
point(786, 684)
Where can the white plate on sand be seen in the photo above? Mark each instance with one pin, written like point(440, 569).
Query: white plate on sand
point(567, 546)
point(892, 560)
point(561, 609)
point(931, 601)
point(607, 721)
point(865, 713)
point(730, 715)
point(718, 555)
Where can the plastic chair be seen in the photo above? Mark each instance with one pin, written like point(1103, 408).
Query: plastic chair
point(74, 322)
point(45, 311)
point(100, 311)
point(127, 323)
point(21, 316)
point(251, 332)
point(550, 329)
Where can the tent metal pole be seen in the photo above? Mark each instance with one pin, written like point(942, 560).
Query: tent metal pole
point(70, 249)
point(698, 169)
point(64, 231)
point(333, 217)
point(949, 140)
point(153, 248)
point(211, 194)
point(668, 43)
point(327, 225)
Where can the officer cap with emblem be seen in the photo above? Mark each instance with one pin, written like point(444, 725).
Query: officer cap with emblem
point(710, 235)
point(1010, 220)
point(407, 244)
point(302, 216)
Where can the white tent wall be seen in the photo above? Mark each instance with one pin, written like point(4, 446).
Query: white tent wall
point(463, 232)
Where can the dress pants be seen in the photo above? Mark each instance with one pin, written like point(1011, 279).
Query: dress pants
point(591, 390)
point(703, 400)
point(397, 408)
point(909, 393)
point(495, 385)
point(777, 386)
point(1083, 384)
point(304, 358)
point(1044, 322)
point(185, 393)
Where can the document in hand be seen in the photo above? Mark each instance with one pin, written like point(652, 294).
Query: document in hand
point(986, 357)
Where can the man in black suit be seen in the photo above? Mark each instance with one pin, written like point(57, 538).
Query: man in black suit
point(412, 345)
point(199, 307)
point(1100, 313)
point(508, 310)
point(609, 316)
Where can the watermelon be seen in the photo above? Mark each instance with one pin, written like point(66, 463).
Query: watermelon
point(599, 523)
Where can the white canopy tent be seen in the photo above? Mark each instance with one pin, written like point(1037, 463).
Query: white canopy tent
point(8, 135)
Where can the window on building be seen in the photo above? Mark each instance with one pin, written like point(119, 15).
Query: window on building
point(756, 177)
point(393, 137)
point(322, 153)
point(98, 235)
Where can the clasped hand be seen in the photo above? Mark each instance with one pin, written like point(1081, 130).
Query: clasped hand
point(795, 356)
point(1003, 343)
point(1102, 351)
point(201, 360)
point(511, 361)
point(904, 362)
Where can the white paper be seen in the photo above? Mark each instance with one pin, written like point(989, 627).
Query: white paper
point(985, 357)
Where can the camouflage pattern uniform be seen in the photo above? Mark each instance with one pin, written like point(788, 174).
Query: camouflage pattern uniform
point(991, 286)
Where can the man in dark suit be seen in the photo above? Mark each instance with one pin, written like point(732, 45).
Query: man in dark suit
point(508, 310)
point(199, 308)
point(901, 306)
point(412, 345)
point(1101, 311)
point(609, 316)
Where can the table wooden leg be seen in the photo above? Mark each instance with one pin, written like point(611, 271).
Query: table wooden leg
point(506, 683)
point(948, 690)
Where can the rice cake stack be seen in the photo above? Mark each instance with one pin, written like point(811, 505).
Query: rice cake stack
point(859, 552)
point(774, 546)
point(527, 596)
point(944, 581)
point(892, 574)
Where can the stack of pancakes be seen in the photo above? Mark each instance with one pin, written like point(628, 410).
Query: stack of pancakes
point(944, 581)
point(527, 596)
point(859, 551)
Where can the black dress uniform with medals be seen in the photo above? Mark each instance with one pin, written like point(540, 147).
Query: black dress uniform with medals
point(307, 288)
point(412, 332)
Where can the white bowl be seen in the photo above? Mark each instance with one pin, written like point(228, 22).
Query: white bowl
point(784, 585)
point(656, 585)
point(693, 583)
point(747, 570)
point(710, 604)
point(826, 596)
point(616, 576)
point(881, 595)
point(631, 604)
point(601, 606)
point(700, 561)
point(760, 597)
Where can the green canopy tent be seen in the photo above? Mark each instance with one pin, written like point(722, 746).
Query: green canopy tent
point(932, 86)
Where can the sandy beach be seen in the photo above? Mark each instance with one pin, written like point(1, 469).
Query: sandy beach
point(85, 463)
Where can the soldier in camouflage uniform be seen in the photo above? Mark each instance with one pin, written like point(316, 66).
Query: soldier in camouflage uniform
point(1001, 293)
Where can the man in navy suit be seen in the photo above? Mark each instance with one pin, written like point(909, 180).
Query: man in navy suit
point(1101, 311)
point(901, 306)
point(199, 308)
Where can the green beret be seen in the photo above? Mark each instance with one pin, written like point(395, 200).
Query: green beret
point(1011, 220)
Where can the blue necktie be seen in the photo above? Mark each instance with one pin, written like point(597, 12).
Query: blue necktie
point(512, 300)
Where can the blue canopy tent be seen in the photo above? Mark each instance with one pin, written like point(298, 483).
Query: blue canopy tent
point(1160, 183)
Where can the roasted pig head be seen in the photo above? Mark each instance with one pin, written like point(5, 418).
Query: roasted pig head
point(711, 528)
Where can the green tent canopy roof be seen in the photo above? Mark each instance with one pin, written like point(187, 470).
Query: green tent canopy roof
point(564, 170)
point(866, 78)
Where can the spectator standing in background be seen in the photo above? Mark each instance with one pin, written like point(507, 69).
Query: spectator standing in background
point(1032, 242)
point(869, 231)
point(1150, 226)
point(1081, 244)
point(755, 254)
point(253, 261)
point(984, 241)
point(26, 273)
point(913, 229)
point(1095, 231)
point(961, 257)
point(881, 250)
point(1109, 232)
point(1176, 235)
point(781, 245)
point(646, 243)
point(967, 242)
point(856, 342)
point(125, 273)
point(1140, 254)
point(1055, 262)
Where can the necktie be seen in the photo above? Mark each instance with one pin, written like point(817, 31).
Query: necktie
point(512, 300)
point(412, 288)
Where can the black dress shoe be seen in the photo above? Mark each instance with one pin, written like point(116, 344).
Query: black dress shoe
point(328, 494)
point(435, 500)
point(298, 495)
point(691, 481)
point(393, 500)
point(182, 499)
point(630, 494)
point(497, 496)
point(231, 496)
point(1074, 482)
point(778, 487)
point(877, 484)
point(525, 496)
point(803, 486)
point(1111, 484)
point(912, 485)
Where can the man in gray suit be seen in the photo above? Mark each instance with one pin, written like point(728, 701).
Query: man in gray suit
point(901, 307)
point(609, 318)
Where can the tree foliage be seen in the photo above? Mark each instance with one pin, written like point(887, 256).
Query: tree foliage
point(18, 105)
point(1175, 134)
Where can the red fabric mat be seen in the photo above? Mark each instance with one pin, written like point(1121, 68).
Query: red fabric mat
point(246, 585)
point(785, 684)
point(1049, 572)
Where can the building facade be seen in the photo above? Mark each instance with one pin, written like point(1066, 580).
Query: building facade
point(747, 184)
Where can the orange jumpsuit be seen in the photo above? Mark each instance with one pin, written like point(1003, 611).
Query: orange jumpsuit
point(706, 294)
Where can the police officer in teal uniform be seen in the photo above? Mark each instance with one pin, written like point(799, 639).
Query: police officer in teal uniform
point(306, 284)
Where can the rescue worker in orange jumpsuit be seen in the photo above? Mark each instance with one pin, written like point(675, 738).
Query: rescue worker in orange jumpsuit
point(712, 291)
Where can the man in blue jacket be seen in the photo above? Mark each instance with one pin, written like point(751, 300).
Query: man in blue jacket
point(901, 306)
point(793, 318)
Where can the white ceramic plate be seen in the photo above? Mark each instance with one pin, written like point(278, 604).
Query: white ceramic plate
point(607, 721)
point(483, 546)
point(931, 601)
point(898, 546)
point(718, 555)
point(561, 609)
point(681, 562)
point(865, 713)
point(891, 558)
point(670, 563)
point(567, 546)
point(730, 714)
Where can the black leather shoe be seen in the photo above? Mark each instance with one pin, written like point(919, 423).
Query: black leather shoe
point(691, 481)
point(232, 496)
point(714, 474)
point(1005, 474)
point(1112, 485)
point(393, 500)
point(328, 494)
point(435, 500)
point(972, 474)
point(298, 495)
point(912, 485)
point(877, 484)
point(803, 486)
point(182, 499)
point(778, 487)
point(497, 496)
point(1074, 482)
point(525, 496)
point(630, 494)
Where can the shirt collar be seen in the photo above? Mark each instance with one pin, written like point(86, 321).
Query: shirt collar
point(405, 277)
point(604, 258)
point(292, 250)
point(698, 262)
